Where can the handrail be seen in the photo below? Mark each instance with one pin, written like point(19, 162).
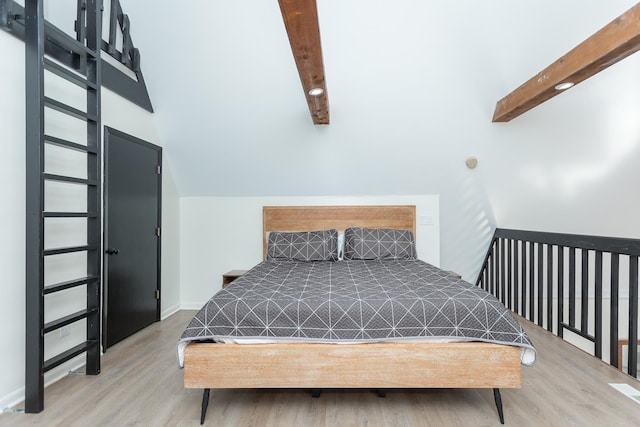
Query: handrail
point(543, 277)
point(618, 245)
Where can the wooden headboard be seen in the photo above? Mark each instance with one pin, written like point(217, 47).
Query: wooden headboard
point(310, 218)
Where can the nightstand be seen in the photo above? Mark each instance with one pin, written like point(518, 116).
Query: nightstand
point(231, 276)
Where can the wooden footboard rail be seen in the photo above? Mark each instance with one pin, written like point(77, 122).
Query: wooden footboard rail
point(544, 276)
point(378, 366)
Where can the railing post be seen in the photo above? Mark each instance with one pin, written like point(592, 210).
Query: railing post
point(613, 317)
point(584, 293)
point(598, 305)
point(523, 282)
point(509, 304)
point(572, 287)
point(503, 278)
point(550, 288)
point(516, 276)
point(560, 291)
point(540, 302)
point(632, 364)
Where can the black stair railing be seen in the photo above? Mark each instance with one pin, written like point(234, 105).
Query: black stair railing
point(558, 281)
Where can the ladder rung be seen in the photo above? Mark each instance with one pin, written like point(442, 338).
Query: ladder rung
point(67, 109)
point(68, 250)
point(69, 179)
point(68, 144)
point(69, 215)
point(68, 355)
point(68, 284)
point(63, 72)
point(67, 320)
point(62, 39)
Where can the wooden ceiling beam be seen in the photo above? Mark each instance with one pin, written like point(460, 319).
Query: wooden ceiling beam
point(614, 42)
point(301, 21)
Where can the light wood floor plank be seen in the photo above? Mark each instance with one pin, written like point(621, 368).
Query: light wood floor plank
point(140, 384)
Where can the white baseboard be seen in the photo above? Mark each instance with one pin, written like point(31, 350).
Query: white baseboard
point(169, 311)
point(12, 399)
point(16, 397)
point(192, 305)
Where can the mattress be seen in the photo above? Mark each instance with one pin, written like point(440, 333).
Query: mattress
point(354, 302)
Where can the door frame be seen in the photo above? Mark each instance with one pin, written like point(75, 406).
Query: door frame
point(108, 132)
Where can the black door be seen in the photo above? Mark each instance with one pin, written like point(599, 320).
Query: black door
point(131, 236)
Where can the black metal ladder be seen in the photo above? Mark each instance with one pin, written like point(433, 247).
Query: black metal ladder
point(83, 70)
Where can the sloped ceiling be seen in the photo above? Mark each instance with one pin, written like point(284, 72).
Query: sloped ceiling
point(412, 85)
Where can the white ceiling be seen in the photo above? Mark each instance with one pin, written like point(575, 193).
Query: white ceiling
point(410, 83)
point(412, 86)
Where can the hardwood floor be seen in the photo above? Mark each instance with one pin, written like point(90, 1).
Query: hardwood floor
point(141, 384)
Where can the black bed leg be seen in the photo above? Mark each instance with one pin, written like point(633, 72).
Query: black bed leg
point(498, 399)
point(205, 404)
point(315, 393)
point(382, 392)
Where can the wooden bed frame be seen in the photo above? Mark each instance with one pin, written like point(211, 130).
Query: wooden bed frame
point(370, 366)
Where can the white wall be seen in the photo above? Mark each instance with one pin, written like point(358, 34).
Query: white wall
point(117, 113)
point(170, 275)
point(12, 220)
point(570, 165)
point(218, 234)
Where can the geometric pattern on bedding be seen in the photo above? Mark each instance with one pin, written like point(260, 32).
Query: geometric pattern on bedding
point(358, 301)
point(321, 245)
point(378, 243)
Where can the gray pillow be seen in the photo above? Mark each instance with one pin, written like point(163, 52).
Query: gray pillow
point(319, 245)
point(378, 243)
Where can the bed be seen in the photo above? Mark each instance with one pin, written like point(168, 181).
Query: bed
point(229, 344)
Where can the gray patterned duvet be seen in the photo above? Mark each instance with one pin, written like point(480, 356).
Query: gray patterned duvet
point(354, 301)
